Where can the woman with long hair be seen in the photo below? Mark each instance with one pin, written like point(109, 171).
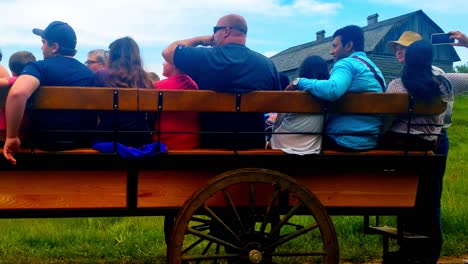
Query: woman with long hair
point(421, 132)
point(125, 70)
point(417, 79)
point(296, 133)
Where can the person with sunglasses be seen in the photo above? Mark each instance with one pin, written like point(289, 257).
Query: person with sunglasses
point(224, 63)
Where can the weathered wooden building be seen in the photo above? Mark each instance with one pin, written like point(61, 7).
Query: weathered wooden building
point(376, 35)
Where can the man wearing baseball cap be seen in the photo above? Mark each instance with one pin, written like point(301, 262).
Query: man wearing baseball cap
point(58, 68)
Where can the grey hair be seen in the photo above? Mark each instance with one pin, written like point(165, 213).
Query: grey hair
point(100, 55)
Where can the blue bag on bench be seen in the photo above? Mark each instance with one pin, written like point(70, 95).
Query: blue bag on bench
point(146, 151)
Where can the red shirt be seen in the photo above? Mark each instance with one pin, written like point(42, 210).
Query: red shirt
point(178, 121)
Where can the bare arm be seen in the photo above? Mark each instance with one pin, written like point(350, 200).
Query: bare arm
point(19, 94)
point(168, 53)
point(4, 83)
point(462, 39)
point(3, 72)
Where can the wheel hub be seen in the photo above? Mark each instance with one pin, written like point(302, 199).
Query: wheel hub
point(255, 256)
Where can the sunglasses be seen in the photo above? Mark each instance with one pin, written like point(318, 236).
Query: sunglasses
point(88, 62)
point(216, 29)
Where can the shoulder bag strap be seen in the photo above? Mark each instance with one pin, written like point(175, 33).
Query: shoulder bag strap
point(379, 79)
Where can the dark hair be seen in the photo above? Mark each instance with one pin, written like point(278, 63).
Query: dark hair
point(314, 67)
point(61, 50)
point(417, 76)
point(126, 66)
point(18, 60)
point(353, 34)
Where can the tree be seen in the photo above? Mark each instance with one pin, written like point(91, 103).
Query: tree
point(462, 68)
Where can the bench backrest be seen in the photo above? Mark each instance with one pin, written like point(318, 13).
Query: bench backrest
point(124, 99)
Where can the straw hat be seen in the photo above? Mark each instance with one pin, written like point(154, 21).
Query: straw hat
point(406, 39)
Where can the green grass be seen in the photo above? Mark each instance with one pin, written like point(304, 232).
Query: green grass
point(141, 239)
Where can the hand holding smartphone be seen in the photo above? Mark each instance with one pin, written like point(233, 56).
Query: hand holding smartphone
point(441, 38)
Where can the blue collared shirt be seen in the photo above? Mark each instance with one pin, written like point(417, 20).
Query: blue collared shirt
point(353, 76)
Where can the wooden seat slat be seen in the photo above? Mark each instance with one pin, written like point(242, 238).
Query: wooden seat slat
point(85, 98)
point(280, 101)
point(383, 103)
point(379, 152)
point(187, 100)
point(201, 152)
point(133, 99)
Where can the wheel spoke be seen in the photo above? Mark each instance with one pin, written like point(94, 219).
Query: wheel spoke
point(207, 248)
point(218, 247)
point(228, 199)
point(192, 245)
point(199, 220)
point(293, 235)
point(202, 227)
point(274, 197)
point(211, 238)
point(215, 217)
point(285, 219)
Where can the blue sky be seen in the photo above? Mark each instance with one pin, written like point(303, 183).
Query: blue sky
point(273, 25)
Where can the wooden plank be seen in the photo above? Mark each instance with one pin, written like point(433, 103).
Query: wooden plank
point(208, 152)
point(93, 98)
point(62, 189)
point(363, 189)
point(169, 188)
point(383, 103)
point(85, 98)
point(187, 100)
point(353, 189)
point(281, 102)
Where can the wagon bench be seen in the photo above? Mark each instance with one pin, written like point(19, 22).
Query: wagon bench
point(248, 206)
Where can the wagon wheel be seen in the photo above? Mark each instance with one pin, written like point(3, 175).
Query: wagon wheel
point(253, 216)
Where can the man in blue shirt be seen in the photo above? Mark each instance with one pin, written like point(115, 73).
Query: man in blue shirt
point(58, 68)
point(352, 72)
point(225, 64)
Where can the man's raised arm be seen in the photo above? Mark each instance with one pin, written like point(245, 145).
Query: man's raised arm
point(168, 53)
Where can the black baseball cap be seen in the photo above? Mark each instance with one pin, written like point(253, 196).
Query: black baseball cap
point(59, 32)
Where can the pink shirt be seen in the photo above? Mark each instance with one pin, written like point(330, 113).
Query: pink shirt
point(178, 121)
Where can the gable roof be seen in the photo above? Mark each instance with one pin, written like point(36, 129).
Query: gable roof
point(374, 34)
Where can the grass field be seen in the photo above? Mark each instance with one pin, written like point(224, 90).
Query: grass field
point(141, 239)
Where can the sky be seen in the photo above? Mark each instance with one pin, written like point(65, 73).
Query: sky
point(274, 25)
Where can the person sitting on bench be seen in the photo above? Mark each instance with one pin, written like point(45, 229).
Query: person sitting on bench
point(125, 69)
point(352, 72)
point(58, 68)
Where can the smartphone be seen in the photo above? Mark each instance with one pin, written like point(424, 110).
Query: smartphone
point(441, 38)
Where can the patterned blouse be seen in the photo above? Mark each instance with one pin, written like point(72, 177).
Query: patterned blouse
point(426, 126)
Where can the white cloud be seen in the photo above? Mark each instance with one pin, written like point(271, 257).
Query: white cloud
point(450, 7)
point(270, 53)
point(148, 21)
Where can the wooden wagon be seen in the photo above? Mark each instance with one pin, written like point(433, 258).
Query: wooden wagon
point(223, 206)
